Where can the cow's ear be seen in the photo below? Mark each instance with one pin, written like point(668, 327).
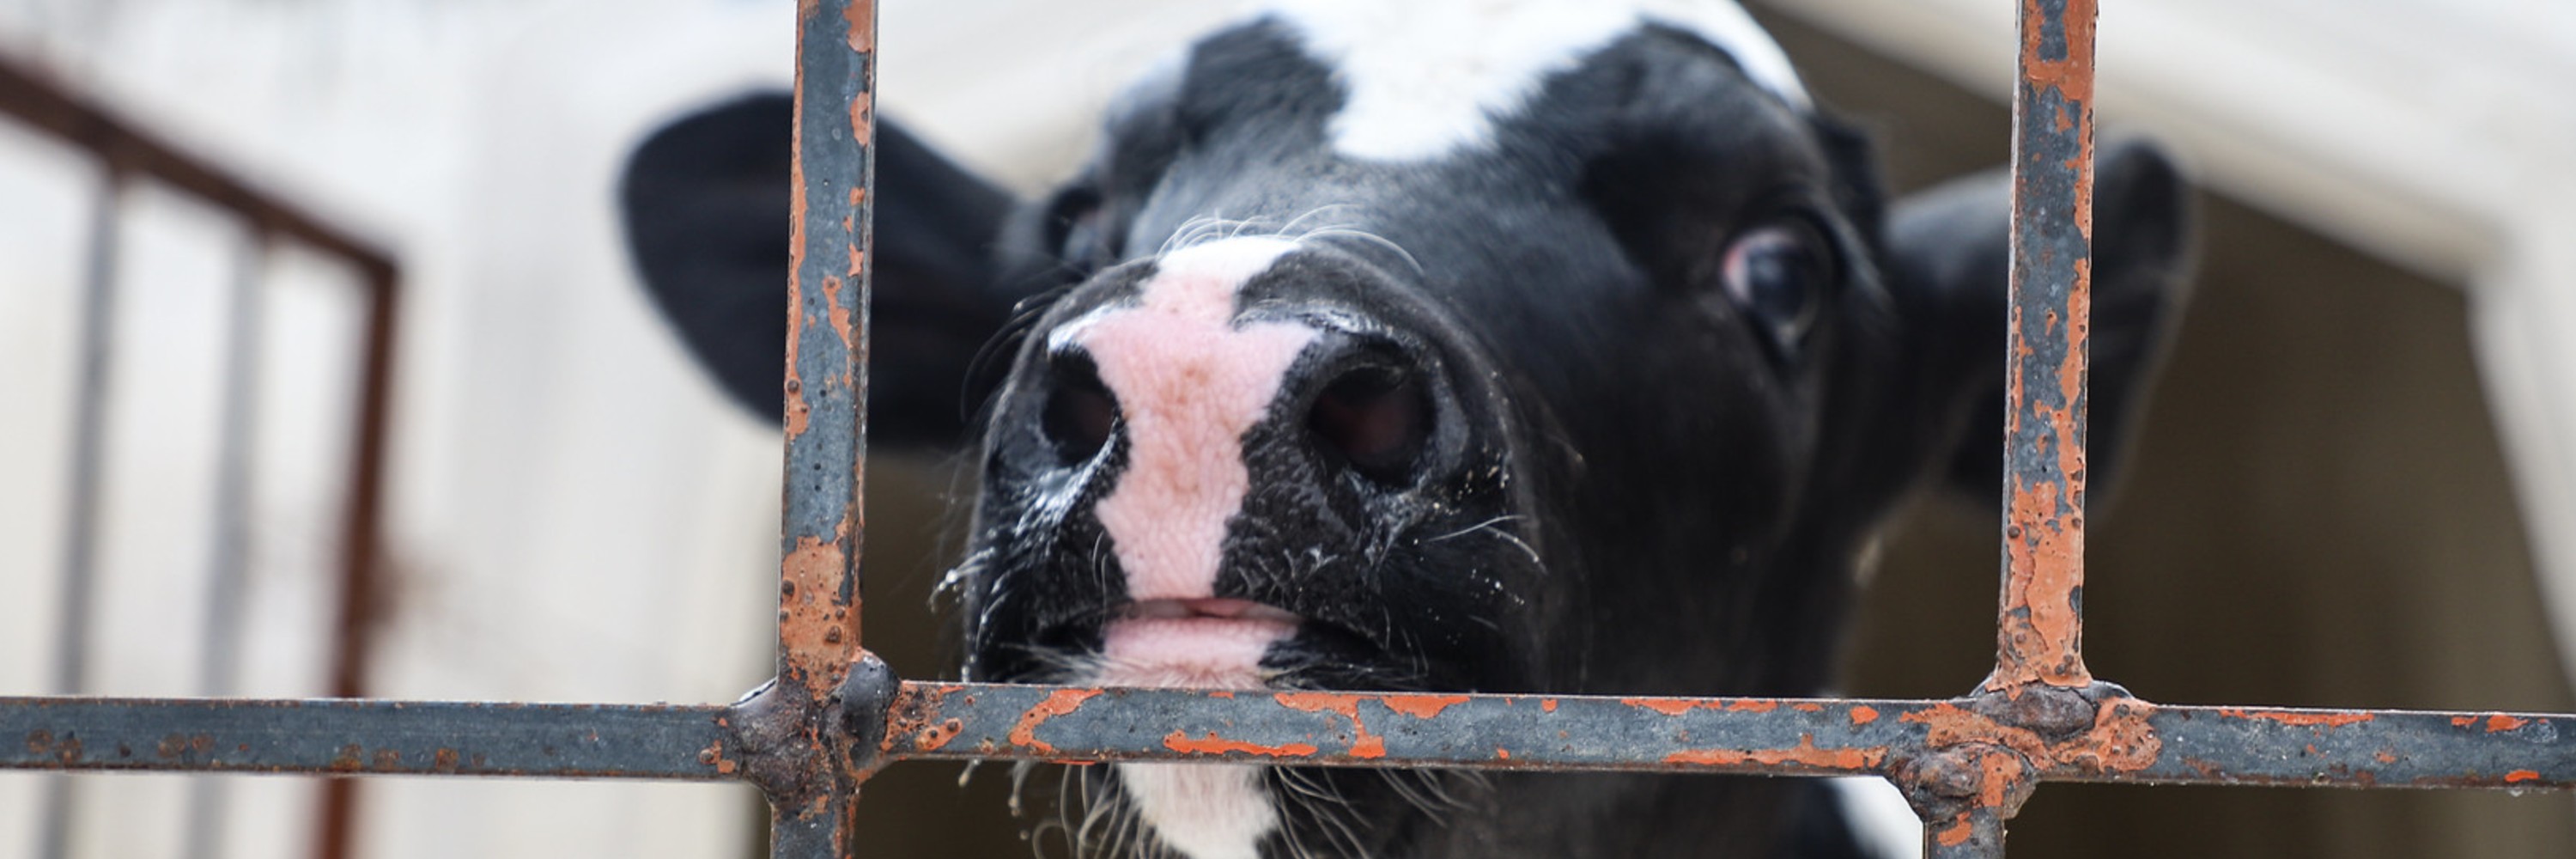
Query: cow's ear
point(1950, 251)
point(705, 205)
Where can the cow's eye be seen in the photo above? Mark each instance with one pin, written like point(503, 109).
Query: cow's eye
point(1777, 275)
point(1074, 228)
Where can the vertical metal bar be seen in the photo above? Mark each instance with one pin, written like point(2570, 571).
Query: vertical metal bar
point(2042, 617)
point(361, 530)
point(826, 387)
point(94, 385)
point(219, 653)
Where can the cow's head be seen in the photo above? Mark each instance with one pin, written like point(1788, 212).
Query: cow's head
point(1560, 348)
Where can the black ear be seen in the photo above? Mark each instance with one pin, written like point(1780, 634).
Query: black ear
point(705, 206)
point(1949, 247)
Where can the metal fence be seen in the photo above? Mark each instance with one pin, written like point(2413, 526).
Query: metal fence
point(125, 155)
point(834, 714)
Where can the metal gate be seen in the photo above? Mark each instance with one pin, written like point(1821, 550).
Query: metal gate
point(834, 714)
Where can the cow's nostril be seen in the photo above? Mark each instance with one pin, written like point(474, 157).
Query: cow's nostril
point(1377, 417)
point(1080, 413)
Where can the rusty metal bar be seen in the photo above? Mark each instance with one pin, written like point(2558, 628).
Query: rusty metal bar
point(361, 533)
point(2129, 741)
point(2042, 618)
point(793, 730)
point(79, 586)
point(219, 649)
point(331, 737)
point(127, 150)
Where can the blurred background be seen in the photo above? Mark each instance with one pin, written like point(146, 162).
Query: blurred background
point(2356, 486)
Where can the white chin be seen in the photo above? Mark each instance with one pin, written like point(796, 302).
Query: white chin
point(1202, 811)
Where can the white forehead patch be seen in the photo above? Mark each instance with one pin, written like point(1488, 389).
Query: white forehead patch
point(1427, 77)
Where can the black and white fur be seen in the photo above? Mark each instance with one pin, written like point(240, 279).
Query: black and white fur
point(1445, 345)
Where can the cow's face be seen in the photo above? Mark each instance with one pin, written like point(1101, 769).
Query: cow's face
point(1551, 347)
point(1341, 390)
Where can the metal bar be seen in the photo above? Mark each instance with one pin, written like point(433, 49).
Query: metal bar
point(333, 737)
point(219, 652)
point(2132, 742)
point(2128, 741)
point(92, 389)
point(2042, 617)
point(797, 719)
point(362, 528)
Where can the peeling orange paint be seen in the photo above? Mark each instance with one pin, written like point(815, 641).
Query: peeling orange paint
point(2304, 720)
point(1666, 706)
point(1213, 744)
point(1422, 706)
point(2500, 722)
point(1863, 715)
point(1363, 744)
point(1057, 703)
point(2520, 776)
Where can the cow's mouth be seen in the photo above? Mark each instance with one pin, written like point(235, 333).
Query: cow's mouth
point(1223, 608)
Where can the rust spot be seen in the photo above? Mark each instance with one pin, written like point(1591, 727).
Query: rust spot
point(2119, 741)
point(863, 26)
point(388, 760)
point(1422, 706)
point(1213, 744)
point(349, 759)
point(814, 631)
point(2385, 758)
point(935, 737)
point(1363, 744)
point(1863, 715)
point(171, 746)
point(1057, 703)
point(2520, 776)
point(2304, 720)
point(445, 760)
point(1502, 754)
point(713, 755)
point(1958, 832)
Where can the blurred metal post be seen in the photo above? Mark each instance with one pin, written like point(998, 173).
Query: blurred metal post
point(97, 376)
point(219, 653)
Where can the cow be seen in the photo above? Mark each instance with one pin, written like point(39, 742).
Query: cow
point(1561, 347)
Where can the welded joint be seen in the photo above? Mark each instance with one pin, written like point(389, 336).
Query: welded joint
point(795, 748)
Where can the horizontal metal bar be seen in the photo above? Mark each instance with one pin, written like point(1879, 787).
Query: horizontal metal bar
point(2132, 741)
point(344, 737)
point(960, 721)
point(2361, 748)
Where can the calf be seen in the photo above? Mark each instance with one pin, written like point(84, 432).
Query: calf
point(1558, 347)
